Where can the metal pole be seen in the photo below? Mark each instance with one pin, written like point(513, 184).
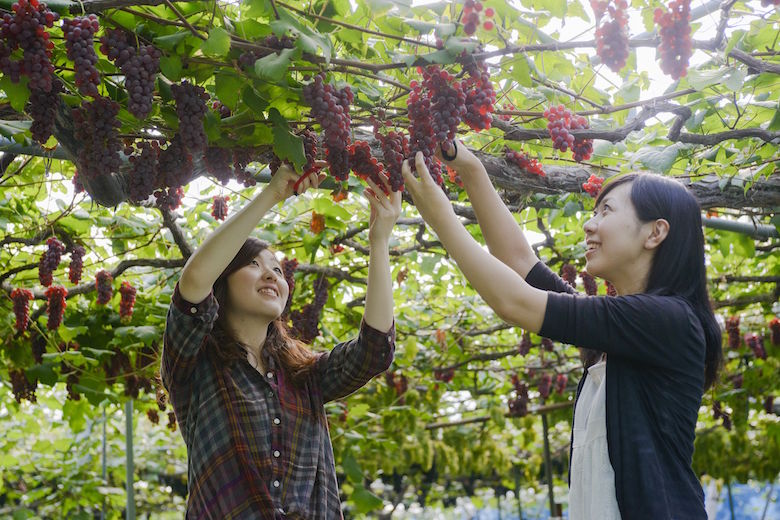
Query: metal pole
point(105, 479)
point(548, 464)
point(130, 510)
point(731, 500)
point(517, 493)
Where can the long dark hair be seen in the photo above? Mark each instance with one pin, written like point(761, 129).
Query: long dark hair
point(293, 356)
point(678, 265)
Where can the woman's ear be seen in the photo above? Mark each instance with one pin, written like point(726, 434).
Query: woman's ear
point(658, 232)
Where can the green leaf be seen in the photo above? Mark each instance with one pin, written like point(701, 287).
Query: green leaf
point(326, 206)
point(365, 500)
point(774, 124)
point(170, 41)
point(701, 79)
point(14, 128)
point(658, 159)
point(144, 332)
point(359, 410)
point(16, 93)
point(352, 468)
point(286, 144)
point(69, 333)
point(218, 43)
point(171, 67)
point(44, 373)
point(274, 66)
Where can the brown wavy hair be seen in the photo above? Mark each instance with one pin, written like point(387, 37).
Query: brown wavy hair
point(291, 355)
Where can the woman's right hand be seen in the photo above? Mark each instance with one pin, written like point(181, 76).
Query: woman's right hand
point(283, 182)
point(464, 161)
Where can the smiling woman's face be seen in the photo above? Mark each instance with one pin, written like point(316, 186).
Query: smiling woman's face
point(259, 288)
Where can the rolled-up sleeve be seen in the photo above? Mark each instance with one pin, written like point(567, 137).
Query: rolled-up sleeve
point(186, 329)
point(352, 364)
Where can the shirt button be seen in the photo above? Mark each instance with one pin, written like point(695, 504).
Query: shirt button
point(276, 453)
point(193, 310)
point(276, 483)
point(270, 375)
point(277, 420)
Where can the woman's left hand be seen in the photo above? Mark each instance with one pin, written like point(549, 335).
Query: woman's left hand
point(429, 199)
point(385, 209)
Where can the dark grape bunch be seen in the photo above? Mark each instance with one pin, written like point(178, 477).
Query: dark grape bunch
point(241, 158)
point(288, 267)
point(589, 283)
point(560, 121)
point(569, 274)
point(96, 127)
point(174, 165)
point(248, 58)
point(127, 301)
point(22, 388)
point(395, 148)
point(560, 383)
point(448, 103)
point(480, 95)
point(21, 299)
point(732, 330)
point(582, 148)
point(143, 175)
point(767, 3)
point(593, 185)
point(719, 413)
point(548, 345)
point(309, 139)
point(26, 30)
point(445, 375)
point(470, 17)
point(56, 305)
point(169, 198)
point(191, 109)
point(774, 327)
point(612, 33)
point(756, 344)
point(50, 260)
point(675, 30)
point(139, 65)
point(611, 291)
point(42, 108)
point(421, 133)
point(524, 161)
point(524, 347)
point(76, 264)
point(103, 286)
point(545, 385)
point(518, 407)
point(79, 41)
point(330, 108)
point(219, 207)
point(218, 161)
point(366, 165)
point(305, 322)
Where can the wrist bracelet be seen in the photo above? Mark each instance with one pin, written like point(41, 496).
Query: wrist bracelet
point(454, 154)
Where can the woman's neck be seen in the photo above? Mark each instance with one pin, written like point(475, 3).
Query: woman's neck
point(250, 331)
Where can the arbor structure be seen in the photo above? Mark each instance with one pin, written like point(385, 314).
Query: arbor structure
point(159, 103)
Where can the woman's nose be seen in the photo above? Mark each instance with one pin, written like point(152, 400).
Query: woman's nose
point(590, 225)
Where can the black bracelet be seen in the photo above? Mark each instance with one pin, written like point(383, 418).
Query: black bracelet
point(453, 156)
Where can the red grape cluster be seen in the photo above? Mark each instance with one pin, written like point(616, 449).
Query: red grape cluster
point(560, 383)
point(732, 330)
point(143, 176)
point(612, 33)
point(544, 385)
point(56, 305)
point(518, 407)
point(42, 108)
point(480, 96)
point(169, 198)
point(569, 274)
point(218, 161)
point(470, 17)
point(525, 344)
point(248, 58)
point(421, 134)
point(769, 401)
point(445, 375)
point(26, 30)
point(330, 108)
point(127, 300)
point(305, 322)
point(21, 299)
point(175, 164)
point(366, 165)
point(242, 157)
point(593, 185)
point(399, 383)
point(774, 327)
point(448, 103)
point(676, 47)
point(395, 148)
point(219, 207)
point(191, 109)
point(310, 151)
point(50, 260)
point(79, 41)
point(96, 127)
point(104, 288)
point(560, 121)
point(76, 264)
point(591, 287)
point(524, 161)
point(22, 388)
point(581, 149)
point(288, 267)
point(139, 65)
point(756, 344)
point(611, 291)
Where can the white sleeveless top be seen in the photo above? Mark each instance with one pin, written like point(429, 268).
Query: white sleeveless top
point(592, 489)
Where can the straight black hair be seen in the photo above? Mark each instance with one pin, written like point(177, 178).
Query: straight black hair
point(678, 265)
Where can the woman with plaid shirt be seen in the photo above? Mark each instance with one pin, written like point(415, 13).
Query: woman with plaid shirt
point(248, 398)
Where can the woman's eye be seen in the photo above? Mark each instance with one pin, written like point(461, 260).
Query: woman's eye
point(278, 270)
point(254, 262)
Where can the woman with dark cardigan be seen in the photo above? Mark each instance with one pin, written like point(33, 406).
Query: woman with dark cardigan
point(249, 398)
point(660, 346)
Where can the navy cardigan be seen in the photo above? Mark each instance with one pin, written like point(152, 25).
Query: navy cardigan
point(655, 349)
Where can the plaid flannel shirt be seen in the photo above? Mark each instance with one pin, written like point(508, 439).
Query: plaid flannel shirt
point(257, 446)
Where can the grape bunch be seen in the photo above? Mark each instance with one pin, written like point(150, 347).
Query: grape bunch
point(330, 108)
point(21, 299)
point(56, 305)
point(774, 327)
point(26, 30)
point(76, 264)
point(560, 383)
point(288, 267)
point(548, 345)
point(50, 260)
point(448, 103)
point(77, 186)
point(139, 65)
point(191, 109)
point(593, 185)
point(756, 344)
point(305, 322)
point(247, 59)
point(591, 287)
point(218, 161)
point(767, 3)
point(22, 388)
point(42, 108)
point(395, 148)
point(445, 375)
point(421, 133)
point(127, 301)
point(366, 165)
point(153, 416)
point(470, 17)
point(222, 110)
point(169, 198)
point(544, 385)
point(719, 413)
point(143, 175)
point(732, 330)
point(310, 151)
point(317, 224)
point(242, 157)
point(559, 121)
point(524, 161)
point(611, 291)
point(219, 207)
point(175, 164)
point(480, 96)
point(103, 286)
point(79, 41)
point(518, 407)
point(612, 33)
point(582, 148)
point(675, 30)
point(524, 347)
point(171, 421)
point(96, 127)
point(569, 274)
